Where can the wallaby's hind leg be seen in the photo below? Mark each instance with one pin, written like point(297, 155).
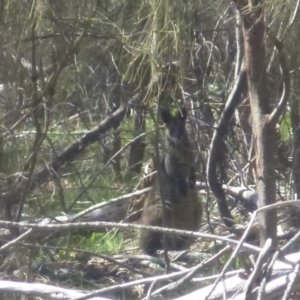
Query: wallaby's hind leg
point(150, 241)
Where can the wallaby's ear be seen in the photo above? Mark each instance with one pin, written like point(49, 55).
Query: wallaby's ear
point(166, 116)
point(182, 114)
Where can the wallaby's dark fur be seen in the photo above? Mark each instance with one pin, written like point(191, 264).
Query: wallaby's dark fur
point(177, 181)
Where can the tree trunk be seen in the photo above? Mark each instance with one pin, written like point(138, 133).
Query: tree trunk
point(295, 122)
point(264, 131)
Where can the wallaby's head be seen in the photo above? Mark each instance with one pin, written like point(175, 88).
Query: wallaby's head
point(176, 132)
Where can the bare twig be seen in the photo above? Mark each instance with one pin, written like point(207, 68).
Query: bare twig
point(292, 279)
point(263, 257)
point(242, 240)
point(17, 240)
point(109, 202)
point(133, 283)
point(175, 285)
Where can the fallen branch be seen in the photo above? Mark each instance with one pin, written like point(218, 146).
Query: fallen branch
point(44, 291)
point(97, 225)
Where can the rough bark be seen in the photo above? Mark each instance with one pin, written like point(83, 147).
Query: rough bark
point(263, 119)
point(295, 122)
point(264, 133)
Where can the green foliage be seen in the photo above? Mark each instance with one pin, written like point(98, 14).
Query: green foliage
point(285, 128)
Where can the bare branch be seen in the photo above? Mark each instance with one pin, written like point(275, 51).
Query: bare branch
point(277, 112)
point(217, 142)
point(41, 290)
point(96, 225)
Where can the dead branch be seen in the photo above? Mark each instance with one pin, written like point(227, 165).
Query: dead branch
point(231, 288)
point(278, 111)
point(97, 225)
point(112, 210)
point(217, 144)
point(41, 290)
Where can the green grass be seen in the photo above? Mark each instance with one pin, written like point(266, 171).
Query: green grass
point(105, 243)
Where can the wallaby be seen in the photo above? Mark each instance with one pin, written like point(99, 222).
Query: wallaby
point(177, 187)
